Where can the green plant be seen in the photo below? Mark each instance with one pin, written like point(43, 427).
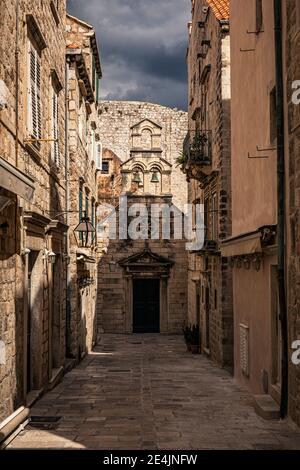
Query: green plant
point(195, 335)
point(181, 160)
point(187, 332)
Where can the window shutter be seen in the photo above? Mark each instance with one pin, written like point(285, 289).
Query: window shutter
point(55, 146)
point(99, 157)
point(259, 15)
point(35, 121)
point(92, 146)
point(80, 203)
point(298, 14)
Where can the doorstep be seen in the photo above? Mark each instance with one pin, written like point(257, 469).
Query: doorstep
point(57, 375)
point(33, 397)
point(69, 365)
point(266, 407)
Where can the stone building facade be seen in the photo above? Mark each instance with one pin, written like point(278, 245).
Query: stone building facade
point(206, 162)
point(142, 282)
point(49, 156)
point(84, 73)
point(291, 38)
point(253, 246)
point(32, 195)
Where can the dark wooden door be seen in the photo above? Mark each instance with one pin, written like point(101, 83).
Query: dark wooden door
point(146, 306)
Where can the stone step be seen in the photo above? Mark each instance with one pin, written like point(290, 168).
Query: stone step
point(266, 407)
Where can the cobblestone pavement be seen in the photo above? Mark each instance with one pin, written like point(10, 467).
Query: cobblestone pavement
point(147, 392)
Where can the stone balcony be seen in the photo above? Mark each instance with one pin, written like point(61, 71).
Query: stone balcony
point(196, 160)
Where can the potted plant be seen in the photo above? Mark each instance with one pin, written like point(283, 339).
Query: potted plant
point(195, 339)
point(181, 160)
point(187, 331)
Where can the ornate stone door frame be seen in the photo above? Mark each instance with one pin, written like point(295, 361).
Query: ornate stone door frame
point(34, 240)
point(146, 265)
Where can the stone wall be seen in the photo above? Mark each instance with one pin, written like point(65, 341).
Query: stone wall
point(210, 276)
point(121, 126)
point(114, 124)
point(293, 189)
point(83, 143)
point(35, 234)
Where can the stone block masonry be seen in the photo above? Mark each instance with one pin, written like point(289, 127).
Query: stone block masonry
point(139, 139)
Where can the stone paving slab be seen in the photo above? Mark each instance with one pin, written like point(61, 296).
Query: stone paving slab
point(152, 395)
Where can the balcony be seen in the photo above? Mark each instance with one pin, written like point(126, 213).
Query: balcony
point(196, 160)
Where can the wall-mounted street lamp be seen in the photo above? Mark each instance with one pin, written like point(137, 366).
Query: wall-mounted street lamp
point(112, 265)
point(50, 256)
point(85, 233)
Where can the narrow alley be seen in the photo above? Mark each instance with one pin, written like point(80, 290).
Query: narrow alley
point(147, 392)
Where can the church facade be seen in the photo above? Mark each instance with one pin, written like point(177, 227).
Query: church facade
point(142, 271)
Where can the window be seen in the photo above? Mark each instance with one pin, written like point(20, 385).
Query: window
point(34, 93)
point(80, 203)
point(87, 206)
point(206, 218)
point(99, 157)
point(216, 299)
point(55, 144)
point(273, 116)
point(259, 15)
point(105, 168)
point(205, 105)
point(214, 217)
point(54, 5)
point(93, 217)
point(297, 15)
point(97, 88)
point(96, 80)
point(92, 146)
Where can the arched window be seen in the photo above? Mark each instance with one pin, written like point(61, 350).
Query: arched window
point(146, 139)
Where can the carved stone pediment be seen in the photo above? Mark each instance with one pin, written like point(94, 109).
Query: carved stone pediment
point(146, 123)
point(146, 261)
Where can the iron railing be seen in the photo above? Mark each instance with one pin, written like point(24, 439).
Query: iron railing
point(197, 147)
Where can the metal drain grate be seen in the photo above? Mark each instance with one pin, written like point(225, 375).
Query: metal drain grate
point(44, 422)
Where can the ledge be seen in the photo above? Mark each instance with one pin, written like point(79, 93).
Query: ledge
point(36, 32)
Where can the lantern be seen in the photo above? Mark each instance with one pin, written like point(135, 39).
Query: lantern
point(85, 233)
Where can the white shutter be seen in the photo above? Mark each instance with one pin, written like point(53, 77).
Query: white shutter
point(244, 349)
point(34, 98)
point(92, 145)
point(55, 146)
point(99, 157)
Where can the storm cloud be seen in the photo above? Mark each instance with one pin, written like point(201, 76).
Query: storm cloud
point(143, 47)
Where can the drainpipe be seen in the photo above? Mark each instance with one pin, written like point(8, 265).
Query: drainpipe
point(67, 208)
point(281, 204)
point(17, 65)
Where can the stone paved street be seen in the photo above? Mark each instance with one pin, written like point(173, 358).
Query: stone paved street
point(147, 392)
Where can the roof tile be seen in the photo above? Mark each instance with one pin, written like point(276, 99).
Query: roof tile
point(220, 8)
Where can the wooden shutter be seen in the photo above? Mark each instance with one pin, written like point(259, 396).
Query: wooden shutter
point(55, 146)
point(297, 14)
point(259, 15)
point(35, 118)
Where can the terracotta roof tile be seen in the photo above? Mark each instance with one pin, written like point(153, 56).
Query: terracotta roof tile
point(220, 8)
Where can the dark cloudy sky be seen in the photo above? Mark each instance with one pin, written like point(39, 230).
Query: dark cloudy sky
point(143, 45)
